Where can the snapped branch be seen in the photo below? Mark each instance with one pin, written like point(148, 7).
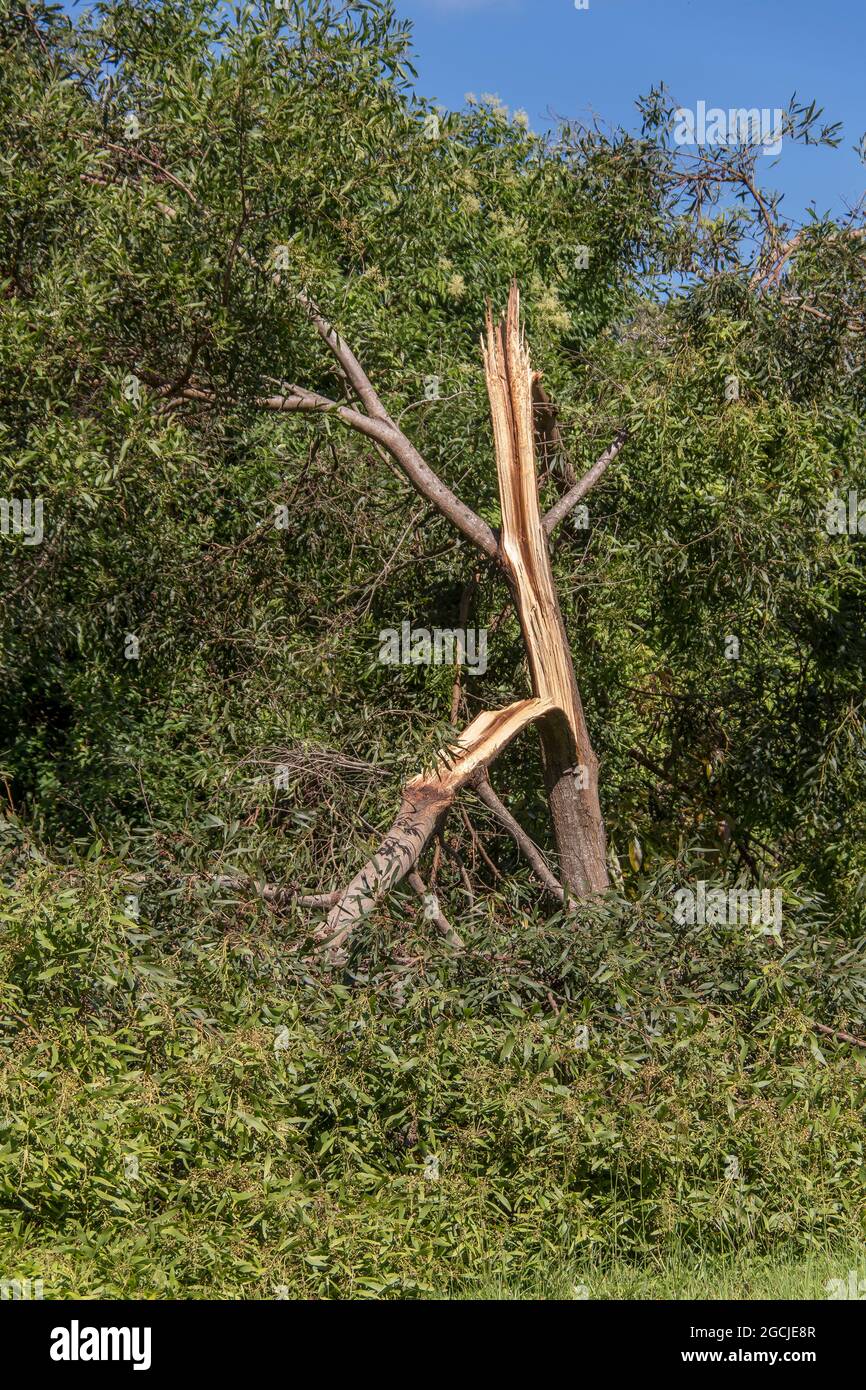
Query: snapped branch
point(426, 801)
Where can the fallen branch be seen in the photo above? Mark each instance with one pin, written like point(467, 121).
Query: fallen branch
point(426, 801)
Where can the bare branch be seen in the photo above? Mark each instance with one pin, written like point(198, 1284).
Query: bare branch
point(294, 398)
point(441, 922)
point(385, 433)
point(380, 426)
point(354, 372)
point(273, 894)
point(377, 424)
point(840, 1036)
point(527, 847)
point(129, 152)
point(772, 273)
point(425, 481)
point(584, 485)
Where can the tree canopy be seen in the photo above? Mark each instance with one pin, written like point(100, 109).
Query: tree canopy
point(159, 160)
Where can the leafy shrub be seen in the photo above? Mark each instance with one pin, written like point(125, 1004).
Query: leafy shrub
point(188, 1106)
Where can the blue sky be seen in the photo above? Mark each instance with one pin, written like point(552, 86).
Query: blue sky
point(551, 60)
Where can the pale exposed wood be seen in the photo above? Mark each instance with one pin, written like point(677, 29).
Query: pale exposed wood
point(426, 800)
point(522, 544)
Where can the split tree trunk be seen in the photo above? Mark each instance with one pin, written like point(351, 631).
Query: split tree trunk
point(570, 765)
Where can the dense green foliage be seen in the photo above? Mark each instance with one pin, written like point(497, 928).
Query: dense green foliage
point(284, 1131)
point(155, 158)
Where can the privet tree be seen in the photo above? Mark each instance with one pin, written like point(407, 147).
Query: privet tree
point(233, 249)
point(520, 553)
point(144, 123)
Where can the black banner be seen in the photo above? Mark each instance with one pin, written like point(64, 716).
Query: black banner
point(154, 1338)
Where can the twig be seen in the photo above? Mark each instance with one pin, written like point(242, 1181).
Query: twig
point(438, 916)
point(274, 894)
point(478, 845)
point(840, 1036)
point(462, 619)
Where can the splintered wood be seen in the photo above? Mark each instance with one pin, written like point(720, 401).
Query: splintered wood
point(569, 762)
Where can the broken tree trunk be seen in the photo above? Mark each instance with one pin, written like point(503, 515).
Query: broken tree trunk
point(570, 765)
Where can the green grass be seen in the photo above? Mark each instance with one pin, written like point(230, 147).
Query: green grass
point(115, 1268)
point(677, 1278)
